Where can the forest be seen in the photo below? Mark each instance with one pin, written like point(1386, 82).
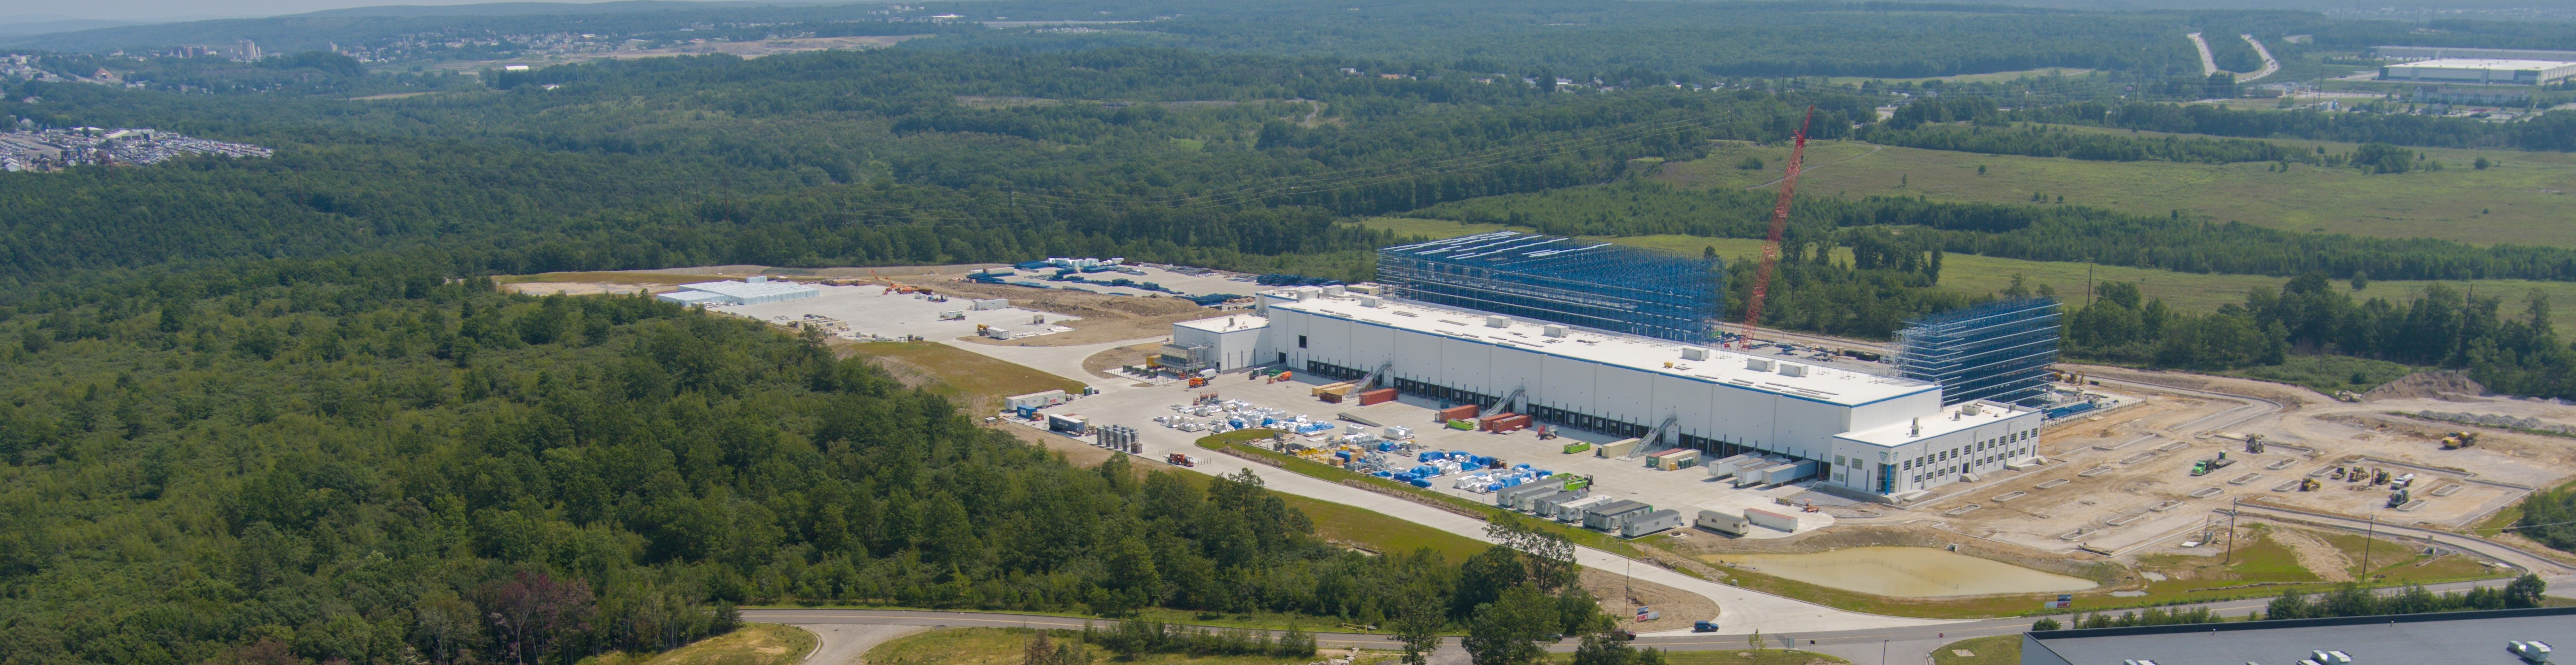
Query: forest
point(358, 460)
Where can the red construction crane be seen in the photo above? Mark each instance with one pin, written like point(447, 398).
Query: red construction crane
point(1779, 223)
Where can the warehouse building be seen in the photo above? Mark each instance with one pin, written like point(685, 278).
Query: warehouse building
point(753, 291)
point(1860, 434)
point(2480, 71)
point(1562, 280)
point(2501, 637)
point(2411, 53)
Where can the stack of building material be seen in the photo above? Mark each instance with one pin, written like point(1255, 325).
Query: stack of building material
point(1673, 460)
point(1619, 448)
point(1337, 389)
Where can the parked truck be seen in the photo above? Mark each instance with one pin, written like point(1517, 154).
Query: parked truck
point(2203, 467)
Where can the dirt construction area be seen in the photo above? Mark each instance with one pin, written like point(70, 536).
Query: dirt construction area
point(2123, 481)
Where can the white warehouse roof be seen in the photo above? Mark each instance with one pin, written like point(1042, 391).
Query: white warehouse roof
point(1821, 384)
point(2484, 63)
point(1952, 419)
point(1227, 324)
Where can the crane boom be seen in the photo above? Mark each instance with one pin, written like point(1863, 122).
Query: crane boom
point(1779, 223)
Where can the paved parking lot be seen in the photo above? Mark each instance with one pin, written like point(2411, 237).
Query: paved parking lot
point(869, 310)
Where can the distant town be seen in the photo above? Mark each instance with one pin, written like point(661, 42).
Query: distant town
point(56, 149)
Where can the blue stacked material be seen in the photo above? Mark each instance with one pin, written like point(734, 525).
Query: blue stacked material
point(1293, 280)
point(1385, 474)
point(1421, 482)
point(1032, 265)
point(1562, 280)
point(1213, 298)
point(2064, 411)
point(986, 279)
point(1997, 351)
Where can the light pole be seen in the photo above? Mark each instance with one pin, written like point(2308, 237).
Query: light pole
point(2367, 535)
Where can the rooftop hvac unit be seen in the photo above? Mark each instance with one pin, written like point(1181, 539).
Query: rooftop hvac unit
point(1971, 408)
point(1792, 369)
point(1552, 330)
point(1758, 364)
point(1694, 353)
point(2330, 657)
point(1368, 301)
point(1498, 322)
point(1333, 290)
point(2534, 651)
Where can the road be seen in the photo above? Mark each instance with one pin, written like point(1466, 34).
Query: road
point(2209, 63)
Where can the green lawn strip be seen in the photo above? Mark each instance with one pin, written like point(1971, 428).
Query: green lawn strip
point(1997, 650)
point(2327, 374)
point(1258, 620)
point(1009, 646)
point(1235, 440)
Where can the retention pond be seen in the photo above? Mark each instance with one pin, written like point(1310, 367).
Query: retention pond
point(1905, 572)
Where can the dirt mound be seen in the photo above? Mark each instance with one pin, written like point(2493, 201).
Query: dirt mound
point(2443, 385)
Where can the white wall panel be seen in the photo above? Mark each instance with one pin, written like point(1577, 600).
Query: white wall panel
point(1569, 385)
point(1626, 394)
point(1417, 356)
point(1514, 368)
point(1464, 365)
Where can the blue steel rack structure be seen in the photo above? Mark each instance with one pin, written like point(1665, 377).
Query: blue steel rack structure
point(1562, 280)
point(1998, 351)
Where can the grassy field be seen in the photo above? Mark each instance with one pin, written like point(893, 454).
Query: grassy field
point(2193, 292)
point(1008, 646)
point(1233, 440)
point(1997, 650)
point(973, 380)
point(753, 644)
point(2521, 201)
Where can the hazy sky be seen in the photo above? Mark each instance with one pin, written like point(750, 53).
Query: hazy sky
point(21, 11)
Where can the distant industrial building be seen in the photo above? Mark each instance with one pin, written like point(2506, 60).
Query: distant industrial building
point(753, 291)
point(1998, 351)
point(2480, 71)
point(2412, 53)
point(1862, 434)
point(1562, 280)
point(2500, 637)
point(2475, 96)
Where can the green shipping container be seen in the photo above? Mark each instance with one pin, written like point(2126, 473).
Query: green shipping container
point(1462, 424)
point(1578, 446)
point(1577, 482)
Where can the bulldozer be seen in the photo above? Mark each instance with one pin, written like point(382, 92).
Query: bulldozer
point(2458, 440)
point(2309, 485)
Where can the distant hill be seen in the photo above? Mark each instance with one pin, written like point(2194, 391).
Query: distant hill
point(38, 27)
point(544, 8)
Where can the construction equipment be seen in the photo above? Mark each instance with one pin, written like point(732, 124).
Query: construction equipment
point(1198, 382)
point(2338, 473)
point(2380, 477)
point(1177, 459)
point(2309, 485)
point(2203, 467)
point(2254, 444)
point(1779, 224)
point(2458, 440)
point(2397, 498)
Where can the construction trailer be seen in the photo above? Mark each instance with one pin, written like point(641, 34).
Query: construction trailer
point(1571, 512)
point(1512, 497)
point(1608, 516)
point(982, 304)
point(1650, 522)
point(1730, 465)
point(1066, 423)
point(1673, 460)
point(1036, 400)
point(1726, 523)
point(1547, 506)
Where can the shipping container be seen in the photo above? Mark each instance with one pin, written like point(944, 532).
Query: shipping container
point(1459, 412)
point(1675, 459)
point(1729, 465)
point(1330, 398)
point(1576, 447)
point(1514, 497)
point(1765, 518)
point(1067, 423)
point(1789, 473)
point(1378, 396)
point(1468, 425)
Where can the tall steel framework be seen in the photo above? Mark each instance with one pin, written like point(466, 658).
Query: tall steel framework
point(1562, 280)
point(1998, 351)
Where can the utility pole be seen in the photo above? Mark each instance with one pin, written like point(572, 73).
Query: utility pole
point(2368, 535)
point(2231, 529)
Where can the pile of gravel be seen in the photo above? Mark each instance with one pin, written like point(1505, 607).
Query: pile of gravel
point(2498, 421)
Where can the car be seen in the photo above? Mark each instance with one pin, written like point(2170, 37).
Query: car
point(1704, 627)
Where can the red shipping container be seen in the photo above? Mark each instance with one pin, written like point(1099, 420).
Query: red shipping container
point(1494, 423)
point(1330, 398)
point(1459, 412)
point(1378, 396)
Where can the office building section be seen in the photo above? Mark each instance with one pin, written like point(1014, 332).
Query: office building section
point(1998, 351)
point(1562, 280)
